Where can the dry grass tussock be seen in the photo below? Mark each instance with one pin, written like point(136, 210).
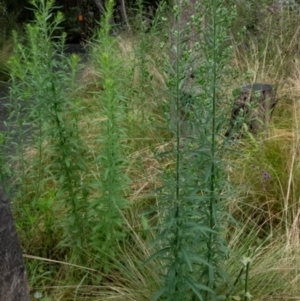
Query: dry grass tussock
point(267, 177)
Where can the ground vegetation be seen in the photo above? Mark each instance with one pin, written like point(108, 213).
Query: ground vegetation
point(122, 180)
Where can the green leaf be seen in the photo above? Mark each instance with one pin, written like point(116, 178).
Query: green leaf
point(158, 254)
point(67, 162)
point(194, 288)
point(199, 286)
point(145, 222)
point(187, 259)
point(158, 294)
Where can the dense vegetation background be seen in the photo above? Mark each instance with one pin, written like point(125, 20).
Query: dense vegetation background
point(122, 181)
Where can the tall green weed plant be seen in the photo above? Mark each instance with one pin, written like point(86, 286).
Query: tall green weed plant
point(106, 211)
point(193, 199)
point(44, 115)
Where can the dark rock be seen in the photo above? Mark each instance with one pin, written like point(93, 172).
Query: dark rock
point(13, 276)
